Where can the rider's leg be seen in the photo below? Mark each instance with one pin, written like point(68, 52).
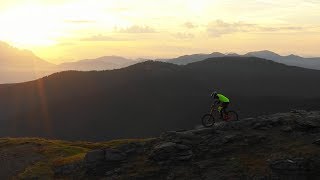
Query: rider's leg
point(219, 108)
point(224, 109)
point(225, 106)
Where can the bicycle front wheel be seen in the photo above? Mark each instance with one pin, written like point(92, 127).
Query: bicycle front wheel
point(207, 120)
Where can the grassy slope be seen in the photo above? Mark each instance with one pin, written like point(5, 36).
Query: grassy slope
point(53, 153)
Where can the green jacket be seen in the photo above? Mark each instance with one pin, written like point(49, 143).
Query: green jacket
point(222, 98)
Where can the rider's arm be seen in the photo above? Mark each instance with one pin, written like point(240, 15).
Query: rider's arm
point(216, 102)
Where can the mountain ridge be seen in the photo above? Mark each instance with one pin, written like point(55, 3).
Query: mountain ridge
point(100, 63)
point(9, 53)
point(22, 65)
point(292, 60)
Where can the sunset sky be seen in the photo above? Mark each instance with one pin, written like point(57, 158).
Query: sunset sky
point(67, 30)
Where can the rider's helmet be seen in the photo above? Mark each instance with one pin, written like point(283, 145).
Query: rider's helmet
point(214, 94)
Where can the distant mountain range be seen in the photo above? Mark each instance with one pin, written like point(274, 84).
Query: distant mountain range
point(186, 59)
point(98, 64)
point(148, 98)
point(22, 65)
point(291, 60)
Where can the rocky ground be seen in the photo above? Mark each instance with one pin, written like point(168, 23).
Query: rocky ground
point(278, 146)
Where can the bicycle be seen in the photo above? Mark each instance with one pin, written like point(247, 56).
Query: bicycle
point(209, 119)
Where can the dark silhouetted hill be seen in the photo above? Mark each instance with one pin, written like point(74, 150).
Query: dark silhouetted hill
point(145, 99)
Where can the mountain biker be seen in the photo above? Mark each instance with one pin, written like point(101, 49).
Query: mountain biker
point(222, 102)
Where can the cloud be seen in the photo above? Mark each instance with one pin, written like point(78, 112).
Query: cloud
point(189, 25)
point(135, 29)
point(66, 44)
point(101, 37)
point(219, 28)
point(312, 1)
point(79, 21)
point(183, 35)
point(288, 28)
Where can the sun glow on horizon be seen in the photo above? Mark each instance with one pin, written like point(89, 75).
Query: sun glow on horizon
point(25, 26)
point(76, 29)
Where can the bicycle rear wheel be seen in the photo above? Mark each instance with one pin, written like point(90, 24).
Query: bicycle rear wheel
point(207, 120)
point(232, 116)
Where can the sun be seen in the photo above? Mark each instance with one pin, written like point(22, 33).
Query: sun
point(37, 25)
point(29, 26)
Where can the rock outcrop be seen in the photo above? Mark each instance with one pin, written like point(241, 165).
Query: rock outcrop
point(169, 152)
point(278, 146)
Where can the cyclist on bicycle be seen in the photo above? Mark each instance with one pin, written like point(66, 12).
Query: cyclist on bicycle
point(222, 102)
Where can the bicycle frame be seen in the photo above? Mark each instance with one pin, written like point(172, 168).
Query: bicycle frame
point(213, 106)
point(212, 109)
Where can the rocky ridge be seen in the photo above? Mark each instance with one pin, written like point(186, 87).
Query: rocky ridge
point(278, 146)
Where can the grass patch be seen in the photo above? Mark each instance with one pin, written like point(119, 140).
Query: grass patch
point(57, 153)
point(40, 170)
point(8, 142)
point(108, 144)
point(61, 161)
point(61, 150)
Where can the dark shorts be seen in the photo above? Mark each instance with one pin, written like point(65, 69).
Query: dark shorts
point(225, 105)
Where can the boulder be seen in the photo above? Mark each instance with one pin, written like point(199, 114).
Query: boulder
point(203, 131)
point(131, 148)
point(98, 162)
point(317, 142)
point(68, 169)
point(166, 147)
point(94, 156)
point(188, 138)
point(112, 155)
point(309, 122)
point(170, 151)
point(295, 168)
point(299, 112)
point(287, 129)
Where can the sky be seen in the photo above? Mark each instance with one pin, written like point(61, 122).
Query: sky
point(68, 30)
